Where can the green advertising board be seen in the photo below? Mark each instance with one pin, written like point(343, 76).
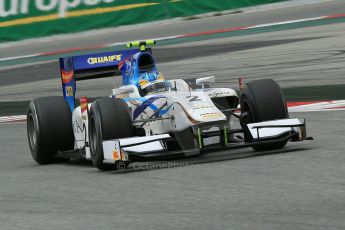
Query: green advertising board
point(22, 19)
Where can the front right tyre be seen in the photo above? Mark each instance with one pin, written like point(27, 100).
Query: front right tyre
point(262, 100)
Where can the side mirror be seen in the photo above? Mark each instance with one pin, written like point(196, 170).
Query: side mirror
point(205, 80)
point(127, 89)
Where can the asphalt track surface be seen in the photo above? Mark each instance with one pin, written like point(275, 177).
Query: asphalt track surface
point(300, 187)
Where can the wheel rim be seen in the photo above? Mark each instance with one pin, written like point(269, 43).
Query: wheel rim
point(32, 131)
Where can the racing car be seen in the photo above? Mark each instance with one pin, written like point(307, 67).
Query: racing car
point(149, 117)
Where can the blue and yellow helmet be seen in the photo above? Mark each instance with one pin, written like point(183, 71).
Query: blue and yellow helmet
point(151, 82)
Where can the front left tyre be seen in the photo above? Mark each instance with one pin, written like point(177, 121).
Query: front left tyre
point(49, 128)
point(109, 119)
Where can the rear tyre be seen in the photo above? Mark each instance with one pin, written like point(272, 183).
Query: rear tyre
point(262, 100)
point(109, 119)
point(49, 128)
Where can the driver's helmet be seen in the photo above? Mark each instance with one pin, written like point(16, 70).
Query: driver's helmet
point(151, 82)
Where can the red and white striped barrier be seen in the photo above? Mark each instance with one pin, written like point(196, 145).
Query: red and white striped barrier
point(13, 119)
point(316, 106)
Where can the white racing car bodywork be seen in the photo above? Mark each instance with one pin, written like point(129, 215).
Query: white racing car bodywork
point(149, 117)
point(179, 109)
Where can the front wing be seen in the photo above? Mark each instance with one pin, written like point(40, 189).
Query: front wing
point(153, 147)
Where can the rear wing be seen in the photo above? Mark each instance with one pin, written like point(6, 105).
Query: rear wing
point(90, 66)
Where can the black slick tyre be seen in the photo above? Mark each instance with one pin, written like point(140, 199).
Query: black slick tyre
point(49, 128)
point(109, 119)
point(262, 100)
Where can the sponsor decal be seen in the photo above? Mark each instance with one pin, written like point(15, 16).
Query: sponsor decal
point(202, 106)
point(116, 155)
point(210, 115)
point(21, 12)
point(220, 94)
point(67, 76)
point(69, 91)
point(194, 98)
point(103, 60)
point(119, 155)
point(77, 128)
point(61, 7)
